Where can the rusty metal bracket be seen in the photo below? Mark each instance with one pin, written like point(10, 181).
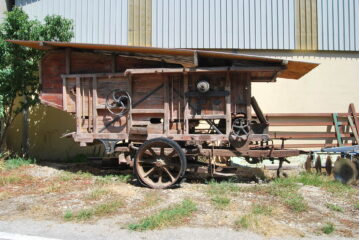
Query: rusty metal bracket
point(337, 126)
point(109, 145)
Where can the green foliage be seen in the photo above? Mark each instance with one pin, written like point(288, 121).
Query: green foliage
point(262, 210)
point(287, 190)
point(110, 178)
point(68, 215)
point(166, 217)
point(334, 207)
point(356, 206)
point(7, 180)
point(17, 162)
point(19, 76)
point(328, 228)
point(98, 210)
point(223, 187)
point(220, 202)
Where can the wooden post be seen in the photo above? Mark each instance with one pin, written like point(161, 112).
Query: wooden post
point(185, 113)
point(248, 91)
point(228, 104)
point(94, 104)
point(166, 119)
point(64, 94)
point(129, 118)
point(78, 105)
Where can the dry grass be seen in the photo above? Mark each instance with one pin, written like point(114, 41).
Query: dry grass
point(100, 210)
point(167, 217)
point(97, 194)
point(9, 179)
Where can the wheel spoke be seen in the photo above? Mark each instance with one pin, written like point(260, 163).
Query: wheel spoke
point(169, 174)
point(172, 154)
point(162, 151)
point(149, 152)
point(160, 178)
point(149, 172)
point(153, 152)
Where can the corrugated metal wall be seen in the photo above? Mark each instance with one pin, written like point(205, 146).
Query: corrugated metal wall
point(338, 25)
point(222, 24)
point(259, 24)
point(140, 22)
point(306, 25)
point(95, 21)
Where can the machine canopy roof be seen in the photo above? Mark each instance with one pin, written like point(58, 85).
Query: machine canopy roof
point(184, 57)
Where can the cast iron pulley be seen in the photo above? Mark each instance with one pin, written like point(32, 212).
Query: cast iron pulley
point(118, 102)
point(160, 163)
point(240, 127)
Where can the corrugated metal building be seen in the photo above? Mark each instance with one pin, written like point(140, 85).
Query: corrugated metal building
point(322, 31)
point(219, 24)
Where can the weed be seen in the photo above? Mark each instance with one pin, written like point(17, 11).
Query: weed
point(97, 193)
point(262, 210)
point(220, 202)
point(84, 214)
point(107, 208)
point(99, 210)
point(328, 228)
point(68, 215)
point(14, 163)
point(287, 190)
point(55, 187)
point(172, 215)
point(113, 178)
point(356, 206)
point(10, 179)
point(243, 222)
point(296, 203)
point(334, 207)
point(69, 176)
point(323, 182)
point(224, 187)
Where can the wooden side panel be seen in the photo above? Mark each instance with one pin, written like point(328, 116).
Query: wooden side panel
point(208, 105)
point(238, 92)
point(82, 62)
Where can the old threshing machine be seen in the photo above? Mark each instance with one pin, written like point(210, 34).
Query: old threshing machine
point(164, 111)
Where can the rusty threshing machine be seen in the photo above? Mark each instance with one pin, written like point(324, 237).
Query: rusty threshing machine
point(171, 111)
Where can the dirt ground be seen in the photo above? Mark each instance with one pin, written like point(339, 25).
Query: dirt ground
point(62, 195)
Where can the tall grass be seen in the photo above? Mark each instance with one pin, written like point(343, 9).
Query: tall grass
point(17, 162)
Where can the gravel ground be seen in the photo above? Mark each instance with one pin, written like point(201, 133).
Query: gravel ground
point(104, 230)
point(35, 204)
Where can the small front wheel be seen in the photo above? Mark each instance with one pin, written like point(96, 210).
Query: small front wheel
point(160, 163)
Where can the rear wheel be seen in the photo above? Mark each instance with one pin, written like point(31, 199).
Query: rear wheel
point(160, 163)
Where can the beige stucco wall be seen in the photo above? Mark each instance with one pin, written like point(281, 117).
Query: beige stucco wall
point(328, 88)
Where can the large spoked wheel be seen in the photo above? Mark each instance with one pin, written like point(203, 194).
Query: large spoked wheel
point(160, 163)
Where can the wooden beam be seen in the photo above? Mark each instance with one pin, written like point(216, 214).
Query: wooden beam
point(94, 104)
point(129, 116)
point(166, 119)
point(228, 104)
point(64, 94)
point(185, 102)
point(78, 105)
